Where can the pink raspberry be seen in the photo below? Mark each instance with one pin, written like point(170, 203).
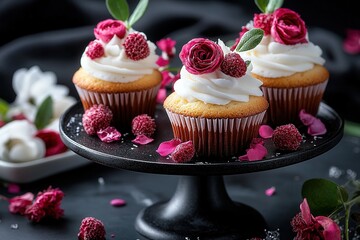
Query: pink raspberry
point(233, 65)
point(143, 125)
point(183, 152)
point(264, 22)
point(91, 229)
point(96, 118)
point(136, 47)
point(95, 50)
point(287, 137)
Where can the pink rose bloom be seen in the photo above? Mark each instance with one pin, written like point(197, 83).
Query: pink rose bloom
point(19, 204)
point(309, 227)
point(53, 142)
point(288, 27)
point(201, 56)
point(106, 29)
point(264, 22)
point(46, 204)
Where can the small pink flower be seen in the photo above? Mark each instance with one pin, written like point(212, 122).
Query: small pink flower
point(167, 45)
point(105, 30)
point(142, 139)
point(19, 204)
point(270, 191)
point(265, 131)
point(46, 204)
point(167, 147)
point(288, 27)
point(109, 134)
point(306, 226)
point(118, 202)
point(257, 151)
point(263, 21)
point(352, 41)
point(54, 144)
point(200, 56)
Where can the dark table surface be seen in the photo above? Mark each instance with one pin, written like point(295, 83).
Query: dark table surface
point(86, 196)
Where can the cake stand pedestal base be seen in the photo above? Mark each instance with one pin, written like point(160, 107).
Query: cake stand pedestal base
point(200, 209)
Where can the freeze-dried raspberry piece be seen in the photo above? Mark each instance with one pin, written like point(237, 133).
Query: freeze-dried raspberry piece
point(136, 47)
point(233, 65)
point(91, 229)
point(143, 125)
point(287, 137)
point(183, 152)
point(95, 50)
point(96, 118)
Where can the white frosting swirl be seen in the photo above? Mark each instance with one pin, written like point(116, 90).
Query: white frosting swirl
point(217, 87)
point(115, 66)
point(272, 59)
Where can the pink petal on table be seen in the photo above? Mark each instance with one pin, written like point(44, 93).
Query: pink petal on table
point(317, 128)
point(270, 191)
point(160, 97)
point(258, 152)
point(306, 118)
point(142, 139)
point(167, 147)
point(109, 134)
point(118, 202)
point(13, 188)
point(265, 131)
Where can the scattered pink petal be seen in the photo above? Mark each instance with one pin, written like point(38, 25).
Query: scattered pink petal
point(352, 42)
point(13, 188)
point(109, 134)
point(306, 118)
point(161, 62)
point(142, 139)
point(257, 151)
point(118, 202)
point(160, 98)
point(19, 204)
point(270, 191)
point(265, 131)
point(167, 147)
point(317, 128)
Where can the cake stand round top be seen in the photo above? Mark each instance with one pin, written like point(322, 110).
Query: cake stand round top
point(124, 154)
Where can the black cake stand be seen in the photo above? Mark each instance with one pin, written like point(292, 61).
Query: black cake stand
point(200, 207)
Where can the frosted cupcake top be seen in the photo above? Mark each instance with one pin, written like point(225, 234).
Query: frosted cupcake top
point(118, 54)
point(214, 74)
point(285, 48)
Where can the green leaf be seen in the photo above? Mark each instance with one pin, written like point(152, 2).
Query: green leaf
point(44, 113)
point(250, 39)
point(247, 62)
point(261, 4)
point(119, 9)
point(4, 108)
point(323, 196)
point(273, 5)
point(138, 12)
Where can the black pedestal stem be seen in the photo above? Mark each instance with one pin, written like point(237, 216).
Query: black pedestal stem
point(200, 209)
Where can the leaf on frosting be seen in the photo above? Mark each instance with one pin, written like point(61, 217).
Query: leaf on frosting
point(250, 39)
point(261, 4)
point(4, 107)
point(119, 9)
point(44, 113)
point(138, 12)
point(268, 6)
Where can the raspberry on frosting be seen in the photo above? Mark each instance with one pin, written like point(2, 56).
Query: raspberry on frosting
point(96, 118)
point(91, 229)
point(183, 152)
point(143, 125)
point(233, 65)
point(136, 47)
point(287, 137)
point(95, 50)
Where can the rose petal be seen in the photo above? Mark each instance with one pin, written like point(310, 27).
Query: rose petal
point(161, 62)
point(109, 134)
point(305, 212)
point(13, 188)
point(167, 147)
point(331, 229)
point(316, 128)
point(160, 98)
point(265, 131)
point(258, 152)
point(306, 118)
point(270, 191)
point(118, 202)
point(142, 139)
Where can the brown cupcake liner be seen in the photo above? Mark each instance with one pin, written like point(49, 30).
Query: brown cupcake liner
point(124, 106)
point(216, 138)
point(285, 104)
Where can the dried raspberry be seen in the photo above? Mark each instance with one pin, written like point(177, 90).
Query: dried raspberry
point(183, 152)
point(136, 47)
point(287, 137)
point(143, 125)
point(96, 118)
point(264, 22)
point(91, 229)
point(95, 50)
point(233, 65)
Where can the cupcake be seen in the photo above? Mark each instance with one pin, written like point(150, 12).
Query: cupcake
point(289, 65)
point(119, 70)
point(216, 103)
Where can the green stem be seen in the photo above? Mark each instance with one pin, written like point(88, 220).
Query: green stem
point(347, 217)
